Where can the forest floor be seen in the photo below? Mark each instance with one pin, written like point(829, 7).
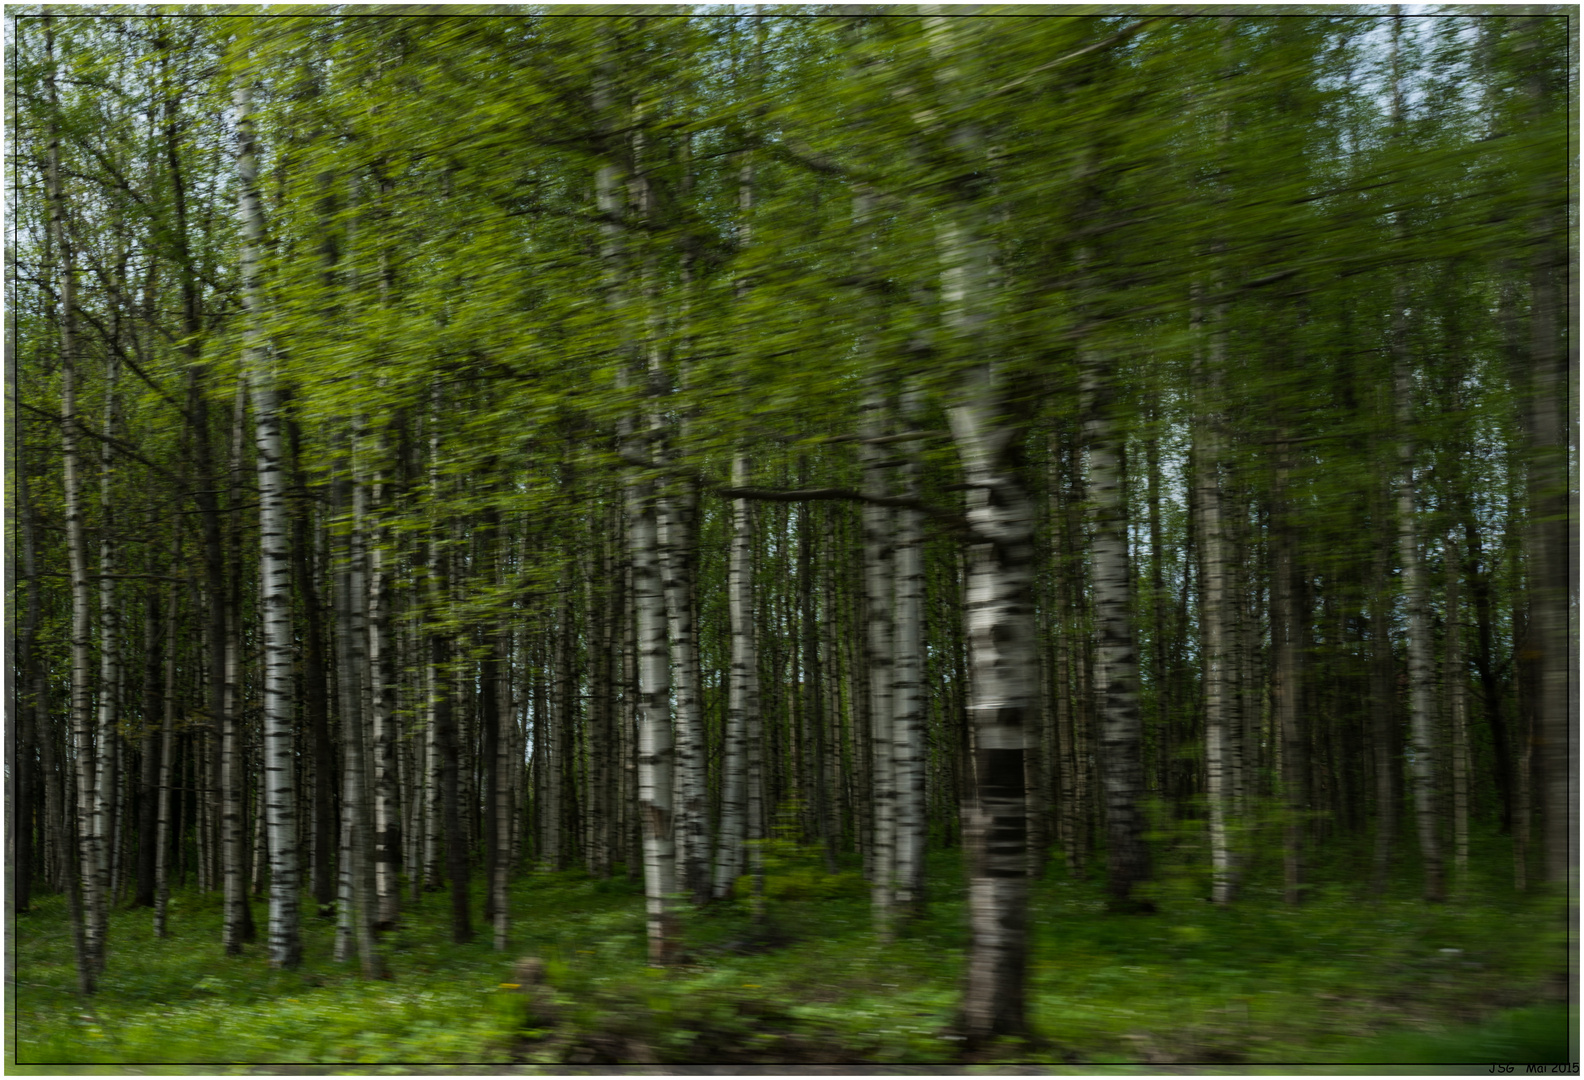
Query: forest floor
point(1342, 984)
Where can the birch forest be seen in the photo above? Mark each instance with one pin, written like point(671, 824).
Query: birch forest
point(954, 491)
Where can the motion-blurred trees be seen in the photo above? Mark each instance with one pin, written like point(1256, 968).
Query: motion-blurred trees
point(676, 434)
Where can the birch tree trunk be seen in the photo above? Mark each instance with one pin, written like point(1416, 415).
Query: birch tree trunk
point(106, 798)
point(386, 835)
point(1382, 696)
point(1218, 685)
point(167, 754)
point(1456, 682)
point(84, 876)
point(677, 513)
point(1000, 610)
point(655, 782)
point(879, 600)
point(1421, 675)
point(907, 735)
point(356, 925)
point(279, 779)
point(743, 692)
point(1121, 731)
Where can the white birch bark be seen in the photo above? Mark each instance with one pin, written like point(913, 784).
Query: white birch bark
point(109, 697)
point(1120, 725)
point(1421, 725)
point(1000, 610)
point(655, 782)
point(84, 871)
point(879, 596)
point(1213, 554)
point(742, 691)
point(1422, 755)
point(382, 701)
point(279, 780)
point(676, 516)
point(907, 734)
point(355, 925)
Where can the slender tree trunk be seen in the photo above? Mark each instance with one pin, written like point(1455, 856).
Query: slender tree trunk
point(1423, 755)
point(386, 834)
point(1121, 731)
point(279, 779)
point(315, 694)
point(1456, 681)
point(1383, 693)
point(743, 700)
point(148, 751)
point(163, 833)
point(1285, 640)
point(499, 806)
point(83, 877)
point(450, 788)
point(677, 513)
point(908, 713)
point(655, 782)
point(32, 719)
point(1218, 685)
point(879, 550)
point(355, 922)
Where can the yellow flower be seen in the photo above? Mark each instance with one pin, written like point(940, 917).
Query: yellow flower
point(511, 986)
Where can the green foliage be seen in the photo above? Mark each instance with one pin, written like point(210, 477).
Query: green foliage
point(1334, 981)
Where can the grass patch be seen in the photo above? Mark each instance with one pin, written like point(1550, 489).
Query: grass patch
point(1248, 988)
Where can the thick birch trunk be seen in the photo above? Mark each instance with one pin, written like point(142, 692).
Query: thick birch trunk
point(1001, 632)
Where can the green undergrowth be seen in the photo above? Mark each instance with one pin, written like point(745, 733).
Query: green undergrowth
point(1256, 986)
